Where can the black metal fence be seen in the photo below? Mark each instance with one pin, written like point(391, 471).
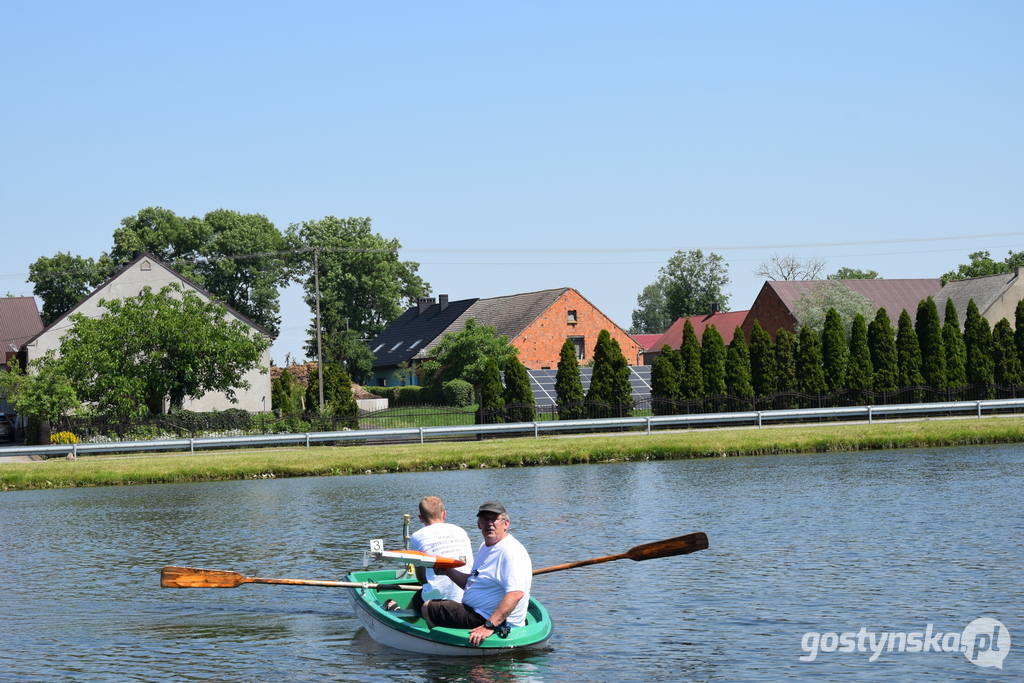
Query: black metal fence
point(237, 422)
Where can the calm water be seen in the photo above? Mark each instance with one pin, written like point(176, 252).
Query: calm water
point(888, 541)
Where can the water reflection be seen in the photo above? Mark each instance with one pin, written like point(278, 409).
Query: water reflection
point(886, 540)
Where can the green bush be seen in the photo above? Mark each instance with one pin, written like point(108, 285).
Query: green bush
point(458, 393)
point(216, 421)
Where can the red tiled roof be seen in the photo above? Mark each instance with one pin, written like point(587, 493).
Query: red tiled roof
point(725, 323)
point(646, 341)
point(19, 322)
point(892, 295)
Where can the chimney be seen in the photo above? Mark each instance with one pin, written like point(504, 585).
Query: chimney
point(443, 300)
point(716, 308)
point(424, 302)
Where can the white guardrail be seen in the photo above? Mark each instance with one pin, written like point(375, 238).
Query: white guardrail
point(758, 417)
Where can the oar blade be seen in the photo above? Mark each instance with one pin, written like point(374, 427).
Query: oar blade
point(680, 545)
point(191, 577)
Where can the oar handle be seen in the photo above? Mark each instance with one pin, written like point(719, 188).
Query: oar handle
point(332, 584)
point(581, 563)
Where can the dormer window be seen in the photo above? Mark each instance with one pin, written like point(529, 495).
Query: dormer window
point(414, 344)
point(571, 318)
point(378, 348)
point(393, 348)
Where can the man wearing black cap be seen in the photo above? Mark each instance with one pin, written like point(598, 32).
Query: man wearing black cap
point(497, 591)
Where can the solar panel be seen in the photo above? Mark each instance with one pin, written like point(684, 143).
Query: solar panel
point(543, 383)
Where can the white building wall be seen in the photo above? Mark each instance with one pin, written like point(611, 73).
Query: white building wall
point(129, 283)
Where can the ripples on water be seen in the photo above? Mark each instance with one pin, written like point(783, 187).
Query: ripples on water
point(885, 540)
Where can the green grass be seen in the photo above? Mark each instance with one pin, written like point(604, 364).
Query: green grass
point(525, 452)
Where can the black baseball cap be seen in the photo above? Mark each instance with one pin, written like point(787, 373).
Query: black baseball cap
point(491, 506)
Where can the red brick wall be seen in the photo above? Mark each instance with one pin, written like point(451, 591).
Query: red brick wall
point(769, 311)
point(540, 344)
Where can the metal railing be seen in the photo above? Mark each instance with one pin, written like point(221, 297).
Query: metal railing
point(422, 434)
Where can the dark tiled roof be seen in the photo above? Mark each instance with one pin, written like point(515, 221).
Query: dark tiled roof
point(984, 290)
point(413, 333)
point(512, 314)
point(892, 295)
point(19, 322)
point(725, 323)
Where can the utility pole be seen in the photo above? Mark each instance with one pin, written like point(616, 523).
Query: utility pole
point(319, 346)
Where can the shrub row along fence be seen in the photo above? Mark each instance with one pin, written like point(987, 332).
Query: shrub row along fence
point(239, 423)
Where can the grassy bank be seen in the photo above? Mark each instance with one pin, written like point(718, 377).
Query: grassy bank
point(327, 461)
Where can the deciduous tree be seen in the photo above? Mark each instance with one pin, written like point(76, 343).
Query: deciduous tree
point(689, 284)
point(813, 305)
point(464, 354)
point(168, 344)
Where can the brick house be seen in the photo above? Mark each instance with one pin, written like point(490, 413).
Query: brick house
point(773, 308)
point(536, 323)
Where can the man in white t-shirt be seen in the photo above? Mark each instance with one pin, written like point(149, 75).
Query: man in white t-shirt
point(497, 591)
point(438, 537)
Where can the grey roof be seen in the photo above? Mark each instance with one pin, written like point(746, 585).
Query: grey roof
point(510, 315)
point(892, 295)
point(984, 290)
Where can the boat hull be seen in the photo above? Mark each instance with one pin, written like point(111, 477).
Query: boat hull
point(410, 633)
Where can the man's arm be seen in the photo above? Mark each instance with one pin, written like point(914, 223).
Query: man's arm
point(498, 616)
point(457, 577)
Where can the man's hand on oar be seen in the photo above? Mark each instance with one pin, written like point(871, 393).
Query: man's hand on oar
point(680, 545)
point(191, 577)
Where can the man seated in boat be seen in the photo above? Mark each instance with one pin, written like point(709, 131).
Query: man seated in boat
point(438, 537)
point(497, 590)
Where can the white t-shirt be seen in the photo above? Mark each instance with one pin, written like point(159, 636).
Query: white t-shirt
point(498, 569)
point(446, 540)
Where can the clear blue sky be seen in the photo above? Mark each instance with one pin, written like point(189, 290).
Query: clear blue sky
point(513, 147)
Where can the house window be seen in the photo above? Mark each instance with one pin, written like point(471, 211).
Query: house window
point(571, 318)
point(393, 348)
point(581, 348)
point(382, 381)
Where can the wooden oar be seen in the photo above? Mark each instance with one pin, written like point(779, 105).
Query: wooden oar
point(191, 577)
point(680, 545)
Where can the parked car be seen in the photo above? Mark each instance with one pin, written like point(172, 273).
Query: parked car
point(6, 428)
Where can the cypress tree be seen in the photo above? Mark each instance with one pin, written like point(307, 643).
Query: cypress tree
point(492, 393)
point(933, 351)
point(568, 387)
point(609, 381)
point(834, 352)
point(882, 344)
point(337, 395)
point(281, 393)
point(785, 361)
point(763, 373)
point(859, 372)
point(519, 401)
point(712, 361)
point(1018, 317)
point(908, 353)
point(956, 352)
point(809, 374)
point(978, 343)
point(737, 367)
point(664, 382)
point(1006, 364)
point(691, 381)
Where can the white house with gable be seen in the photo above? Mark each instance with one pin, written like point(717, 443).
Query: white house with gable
point(145, 270)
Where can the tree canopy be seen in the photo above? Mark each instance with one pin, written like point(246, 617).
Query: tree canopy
point(854, 274)
point(689, 284)
point(790, 267)
point(363, 284)
point(166, 344)
point(61, 281)
point(813, 305)
point(982, 264)
point(464, 354)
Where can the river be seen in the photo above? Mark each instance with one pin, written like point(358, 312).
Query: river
point(804, 549)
